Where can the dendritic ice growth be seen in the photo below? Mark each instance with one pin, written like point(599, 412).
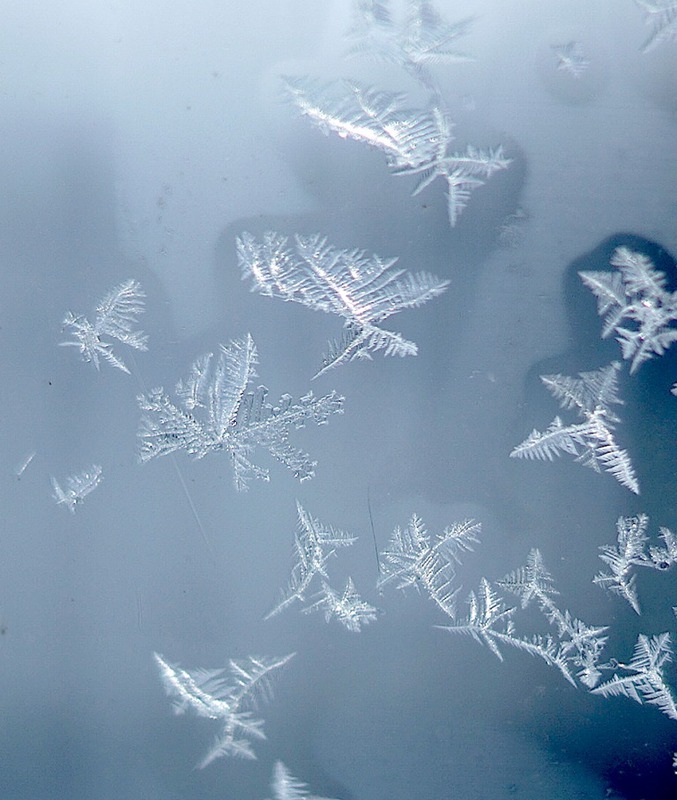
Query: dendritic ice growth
point(662, 16)
point(364, 290)
point(414, 141)
point(633, 550)
point(415, 559)
point(348, 608)
point(420, 40)
point(228, 695)
point(489, 620)
point(592, 441)
point(286, 787)
point(643, 679)
point(314, 545)
point(233, 418)
point(635, 306)
point(571, 59)
point(115, 317)
point(77, 487)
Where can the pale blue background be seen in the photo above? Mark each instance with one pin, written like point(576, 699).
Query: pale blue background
point(137, 141)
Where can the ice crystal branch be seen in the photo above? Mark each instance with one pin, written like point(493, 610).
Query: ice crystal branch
point(490, 621)
point(363, 290)
point(414, 141)
point(571, 59)
point(228, 695)
point(631, 551)
point(635, 306)
point(232, 418)
point(592, 441)
point(579, 643)
point(77, 487)
point(286, 787)
point(115, 317)
point(314, 544)
point(642, 679)
point(662, 16)
point(348, 608)
point(416, 559)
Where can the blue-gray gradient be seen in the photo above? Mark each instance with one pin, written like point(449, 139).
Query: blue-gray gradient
point(139, 140)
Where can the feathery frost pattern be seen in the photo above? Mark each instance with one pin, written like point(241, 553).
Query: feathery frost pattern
point(415, 559)
point(314, 545)
point(228, 695)
point(414, 141)
point(286, 787)
point(421, 40)
point(576, 648)
point(570, 59)
point(662, 16)
point(363, 290)
point(631, 551)
point(635, 306)
point(592, 441)
point(642, 679)
point(77, 487)
point(580, 644)
point(234, 419)
point(348, 608)
point(116, 316)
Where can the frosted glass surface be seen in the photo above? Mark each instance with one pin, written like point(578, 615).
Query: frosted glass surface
point(139, 140)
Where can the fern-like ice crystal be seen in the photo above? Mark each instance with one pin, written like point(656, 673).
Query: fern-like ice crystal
point(580, 643)
point(415, 559)
point(489, 621)
point(217, 411)
point(632, 551)
point(363, 290)
point(421, 40)
point(347, 608)
point(571, 59)
point(314, 544)
point(115, 318)
point(77, 487)
point(592, 441)
point(414, 141)
point(643, 679)
point(635, 306)
point(228, 695)
point(286, 787)
point(662, 16)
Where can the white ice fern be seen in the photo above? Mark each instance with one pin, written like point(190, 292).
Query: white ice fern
point(631, 551)
point(218, 412)
point(592, 441)
point(77, 487)
point(115, 317)
point(576, 648)
point(314, 544)
point(286, 787)
point(228, 695)
point(363, 290)
point(347, 608)
point(414, 141)
point(635, 306)
point(415, 559)
point(643, 679)
point(662, 16)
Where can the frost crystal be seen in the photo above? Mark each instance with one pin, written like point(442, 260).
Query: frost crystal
point(77, 487)
point(232, 418)
point(116, 316)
